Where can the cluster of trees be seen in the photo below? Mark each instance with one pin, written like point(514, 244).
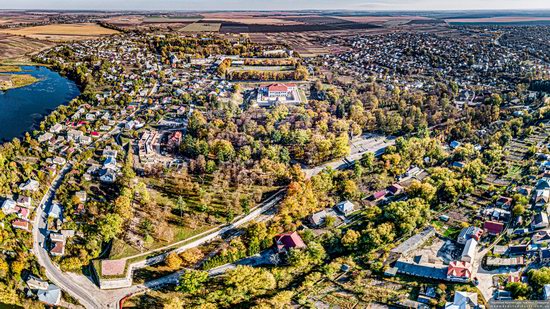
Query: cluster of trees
point(205, 46)
point(271, 61)
point(299, 73)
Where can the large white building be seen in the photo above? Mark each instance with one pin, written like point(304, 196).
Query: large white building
point(278, 93)
point(279, 90)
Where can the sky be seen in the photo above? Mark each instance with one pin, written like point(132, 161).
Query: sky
point(276, 4)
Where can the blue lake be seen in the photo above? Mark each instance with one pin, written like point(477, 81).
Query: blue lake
point(21, 109)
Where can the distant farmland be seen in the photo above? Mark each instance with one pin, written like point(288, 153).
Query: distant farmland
point(202, 27)
point(296, 24)
point(62, 32)
point(511, 20)
point(17, 47)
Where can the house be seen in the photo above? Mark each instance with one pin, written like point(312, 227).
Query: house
point(395, 189)
point(22, 212)
point(57, 241)
point(505, 262)
point(540, 221)
point(86, 140)
point(379, 195)
point(469, 232)
point(518, 250)
point(543, 183)
point(8, 206)
point(493, 228)
point(498, 214)
point(346, 207)
point(546, 292)
point(503, 295)
point(500, 250)
point(458, 164)
point(541, 237)
point(414, 172)
point(504, 202)
point(430, 271)
point(74, 135)
point(469, 252)
point(56, 128)
point(21, 224)
point(110, 163)
point(107, 176)
point(50, 296)
point(286, 241)
point(463, 300)
point(45, 137)
point(544, 256)
point(108, 152)
point(459, 271)
point(542, 198)
point(59, 161)
point(29, 185)
point(55, 211)
point(174, 140)
point(411, 244)
point(35, 283)
point(454, 145)
point(81, 196)
point(318, 218)
point(526, 191)
point(24, 201)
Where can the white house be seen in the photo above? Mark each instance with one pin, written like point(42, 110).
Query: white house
point(463, 300)
point(50, 296)
point(30, 185)
point(469, 252)
point(8, 206)
point(345, 207)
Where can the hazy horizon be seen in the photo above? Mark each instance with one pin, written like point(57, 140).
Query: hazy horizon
point(259, 5)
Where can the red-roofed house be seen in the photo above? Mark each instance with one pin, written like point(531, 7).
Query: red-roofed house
point(504, 202)
point(20, 224)
point(287, 241)
point(174, 140)
point(459, 271)
point(22, 212)
point(493, 228)
point(378, 195)
point(396, 189)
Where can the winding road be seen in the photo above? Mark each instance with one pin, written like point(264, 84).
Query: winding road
point(90, 296)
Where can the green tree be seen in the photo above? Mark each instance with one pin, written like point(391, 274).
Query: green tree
point(192, 281)
point(110, 226)
point(181, 205)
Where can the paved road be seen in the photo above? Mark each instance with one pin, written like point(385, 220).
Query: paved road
point(359, 146)
point(40, 229)
point(84, 295)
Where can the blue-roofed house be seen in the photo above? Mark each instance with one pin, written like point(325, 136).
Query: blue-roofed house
point(459, 164)
point(110, 163)
point(543, 183)
point(455, 144)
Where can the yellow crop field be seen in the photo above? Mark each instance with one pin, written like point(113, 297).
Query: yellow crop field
point(62, 32)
